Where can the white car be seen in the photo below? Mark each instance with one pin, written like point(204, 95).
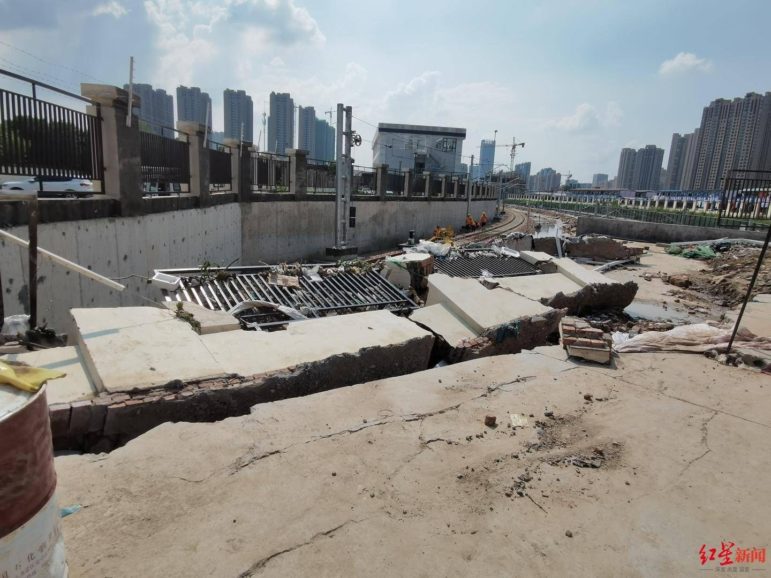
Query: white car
point(52, 186)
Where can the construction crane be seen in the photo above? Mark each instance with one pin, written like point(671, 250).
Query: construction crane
point(513, 149)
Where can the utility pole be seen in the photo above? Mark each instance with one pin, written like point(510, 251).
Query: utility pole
point(468, 186)
point(346, 138)
point(339, 174)
point(131, 92)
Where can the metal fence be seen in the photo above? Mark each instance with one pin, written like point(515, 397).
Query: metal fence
point(746, 195)
point(419, 185)
point(220, 176)
point(436, 186)
point(364, 181)
point(269, 172)
point(395, 183)
point(320, 176)
point(614, 210)
point(39, 138)
point(165, 162)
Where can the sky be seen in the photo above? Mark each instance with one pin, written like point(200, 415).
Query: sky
point(576, 80)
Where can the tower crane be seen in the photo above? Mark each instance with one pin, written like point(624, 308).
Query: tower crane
point(513, 150)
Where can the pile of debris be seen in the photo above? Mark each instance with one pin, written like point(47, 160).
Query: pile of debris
point(728, 275)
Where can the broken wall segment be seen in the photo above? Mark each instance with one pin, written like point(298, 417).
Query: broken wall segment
point(399, 347)
point(475, 321)
point(588, 246)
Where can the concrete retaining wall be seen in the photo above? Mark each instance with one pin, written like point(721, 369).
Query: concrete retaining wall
point(270, 231)
point(658, 232)
point(285, 231)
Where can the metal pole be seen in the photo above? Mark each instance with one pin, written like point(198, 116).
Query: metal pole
point(749, 290)
point(339, 173)
point(468, 186)
point(348, 173)
point(32, 226)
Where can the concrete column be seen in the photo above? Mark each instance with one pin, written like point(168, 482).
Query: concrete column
point(408, 183)
point(298, 172)
point(381, 181)
point(120, 146)
point(199, 160)
point(455, 187)
point(427, 177)
point(443, 194)
point(239, 168)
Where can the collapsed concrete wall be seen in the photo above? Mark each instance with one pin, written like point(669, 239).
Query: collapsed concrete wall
point(658, 232)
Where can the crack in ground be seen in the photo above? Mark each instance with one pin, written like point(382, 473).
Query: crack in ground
point(693, 403)
point(704, 441)
point(260, 564)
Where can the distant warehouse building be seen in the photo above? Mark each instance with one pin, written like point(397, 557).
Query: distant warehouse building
point(436, 149)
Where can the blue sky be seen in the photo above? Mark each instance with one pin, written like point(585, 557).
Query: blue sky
point(577, 80)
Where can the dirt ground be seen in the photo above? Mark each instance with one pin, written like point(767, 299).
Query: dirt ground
point(619, 471)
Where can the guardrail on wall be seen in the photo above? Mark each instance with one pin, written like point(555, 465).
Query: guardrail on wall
point(269, 173)
point(165, 162)
point(46, 140)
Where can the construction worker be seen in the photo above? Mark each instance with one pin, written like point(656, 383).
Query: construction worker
point(483, 219)
point(470, 222)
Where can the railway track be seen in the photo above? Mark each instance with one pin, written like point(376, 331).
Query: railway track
point(512, 221)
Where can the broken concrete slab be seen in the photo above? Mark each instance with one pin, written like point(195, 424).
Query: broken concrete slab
point(480, 308)
point(400, 477)
point(255, 367)
point(540, 287)
point(249, 353)
point(209, 321)
point(408, 270)
point(442, 321)
point(131, 348)
point(74, 386)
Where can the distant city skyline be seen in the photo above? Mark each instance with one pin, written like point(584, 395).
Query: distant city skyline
point(623, 92)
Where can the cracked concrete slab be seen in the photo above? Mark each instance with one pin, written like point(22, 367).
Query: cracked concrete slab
point(401, 477)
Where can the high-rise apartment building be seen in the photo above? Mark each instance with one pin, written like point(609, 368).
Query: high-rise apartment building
point(647, 168)
point(545, 180)
point(676, 161)
point(193, 105)
point(239, 115)
point(324, 141)
point(689, 160)
point(734, 135)
point(625, 175)
point(281, 122)
point(599, 181)
point(306, 130)
point(523, 170)
point(486, 158)
point(156, 109)
point(641, 169)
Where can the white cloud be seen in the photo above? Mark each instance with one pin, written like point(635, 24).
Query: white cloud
point(684, 62)
point(587, 118)
point(112, 8)
point(191, 33)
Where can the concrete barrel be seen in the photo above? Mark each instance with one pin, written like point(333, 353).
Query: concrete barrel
point(31, 544)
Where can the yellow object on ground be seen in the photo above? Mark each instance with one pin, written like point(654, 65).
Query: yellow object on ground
point(26, 378)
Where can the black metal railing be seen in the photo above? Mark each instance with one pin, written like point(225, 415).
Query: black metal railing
point(436, 186)
point(165, 162)
point(269, 172)
point(746, 195)
point(43, 139)
point(320, 176)
point(364, 181)
point(220, 176)
point(395, 183)
point(419, 185)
